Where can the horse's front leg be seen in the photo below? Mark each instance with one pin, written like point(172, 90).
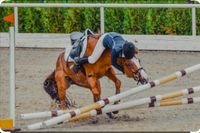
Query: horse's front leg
point(95, 87)
point(62, 85)
point(111, 75)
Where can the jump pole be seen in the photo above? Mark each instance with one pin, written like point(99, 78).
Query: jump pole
point(175, 102)
point(101, 103)
point(55, 113)
point(45, 114)
point(148, 100)
point(10, 122)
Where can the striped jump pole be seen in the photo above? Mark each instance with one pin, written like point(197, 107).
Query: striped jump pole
point(175, 102)
point(148, 100)
point(45, 114)
point(101, 103)
point(152, 99)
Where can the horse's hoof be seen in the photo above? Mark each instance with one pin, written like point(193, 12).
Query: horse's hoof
point(110, 115)
point(117, 102)
point(115, 112)
point(62, 105)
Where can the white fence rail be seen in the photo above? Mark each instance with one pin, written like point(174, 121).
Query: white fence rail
point(145, 42)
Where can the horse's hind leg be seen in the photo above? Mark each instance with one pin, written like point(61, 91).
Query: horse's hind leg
point(62, 85)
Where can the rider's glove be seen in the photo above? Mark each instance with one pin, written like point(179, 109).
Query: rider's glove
point(80, 61)
point(77, 60)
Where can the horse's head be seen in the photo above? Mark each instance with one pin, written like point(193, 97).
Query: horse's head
point(50, 87)
point(133, 69)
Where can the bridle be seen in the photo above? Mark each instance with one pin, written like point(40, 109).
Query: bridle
point(135, 73)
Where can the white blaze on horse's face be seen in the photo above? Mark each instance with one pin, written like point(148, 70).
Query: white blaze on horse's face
point(143, 75)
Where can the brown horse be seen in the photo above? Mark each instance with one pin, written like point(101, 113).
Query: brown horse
point(60, 80)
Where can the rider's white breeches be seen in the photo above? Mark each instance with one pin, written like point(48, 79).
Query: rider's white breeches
point(98, 50)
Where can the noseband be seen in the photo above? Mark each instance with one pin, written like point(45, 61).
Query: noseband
point(136, 72)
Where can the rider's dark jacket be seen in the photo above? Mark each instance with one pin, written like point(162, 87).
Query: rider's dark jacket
point(114, 41)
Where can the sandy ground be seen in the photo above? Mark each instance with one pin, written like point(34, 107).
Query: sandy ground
point(33, 65)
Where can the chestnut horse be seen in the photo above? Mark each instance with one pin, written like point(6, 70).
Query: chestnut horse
point(63, 76)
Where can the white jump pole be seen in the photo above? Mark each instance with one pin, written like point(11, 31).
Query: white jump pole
point(45, 114)
point(155, 104)
point(12, 73)
point(148, 100)
point(101, 103)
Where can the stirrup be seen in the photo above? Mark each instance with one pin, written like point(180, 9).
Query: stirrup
point(76, 68)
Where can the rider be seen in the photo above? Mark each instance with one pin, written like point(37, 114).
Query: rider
point(118, 45)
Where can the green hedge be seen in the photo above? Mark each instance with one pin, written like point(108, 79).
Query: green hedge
point(123, 20)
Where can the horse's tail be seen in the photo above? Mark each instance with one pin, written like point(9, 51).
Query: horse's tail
point(60, 65)
point(51, 76)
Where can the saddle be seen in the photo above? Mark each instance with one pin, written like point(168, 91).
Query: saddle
point(77, 46)
point(79, 42)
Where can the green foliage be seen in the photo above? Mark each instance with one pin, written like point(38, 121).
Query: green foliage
point(122, 20)
point(129, 21)
point(73, 20)
point(149, 22)
point(114, 19)
point(45, 19)
point(91, 19)
point(198, 20)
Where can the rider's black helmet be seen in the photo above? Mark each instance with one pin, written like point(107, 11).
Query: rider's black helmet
point(129, 50)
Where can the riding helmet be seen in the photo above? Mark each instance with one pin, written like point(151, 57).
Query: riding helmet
point(129, 50)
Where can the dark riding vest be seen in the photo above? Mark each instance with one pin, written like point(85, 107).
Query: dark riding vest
point(115, 42)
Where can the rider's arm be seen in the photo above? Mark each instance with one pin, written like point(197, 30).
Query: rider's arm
point(114, 56)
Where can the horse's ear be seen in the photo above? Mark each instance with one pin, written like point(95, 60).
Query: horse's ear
point(136, 50)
